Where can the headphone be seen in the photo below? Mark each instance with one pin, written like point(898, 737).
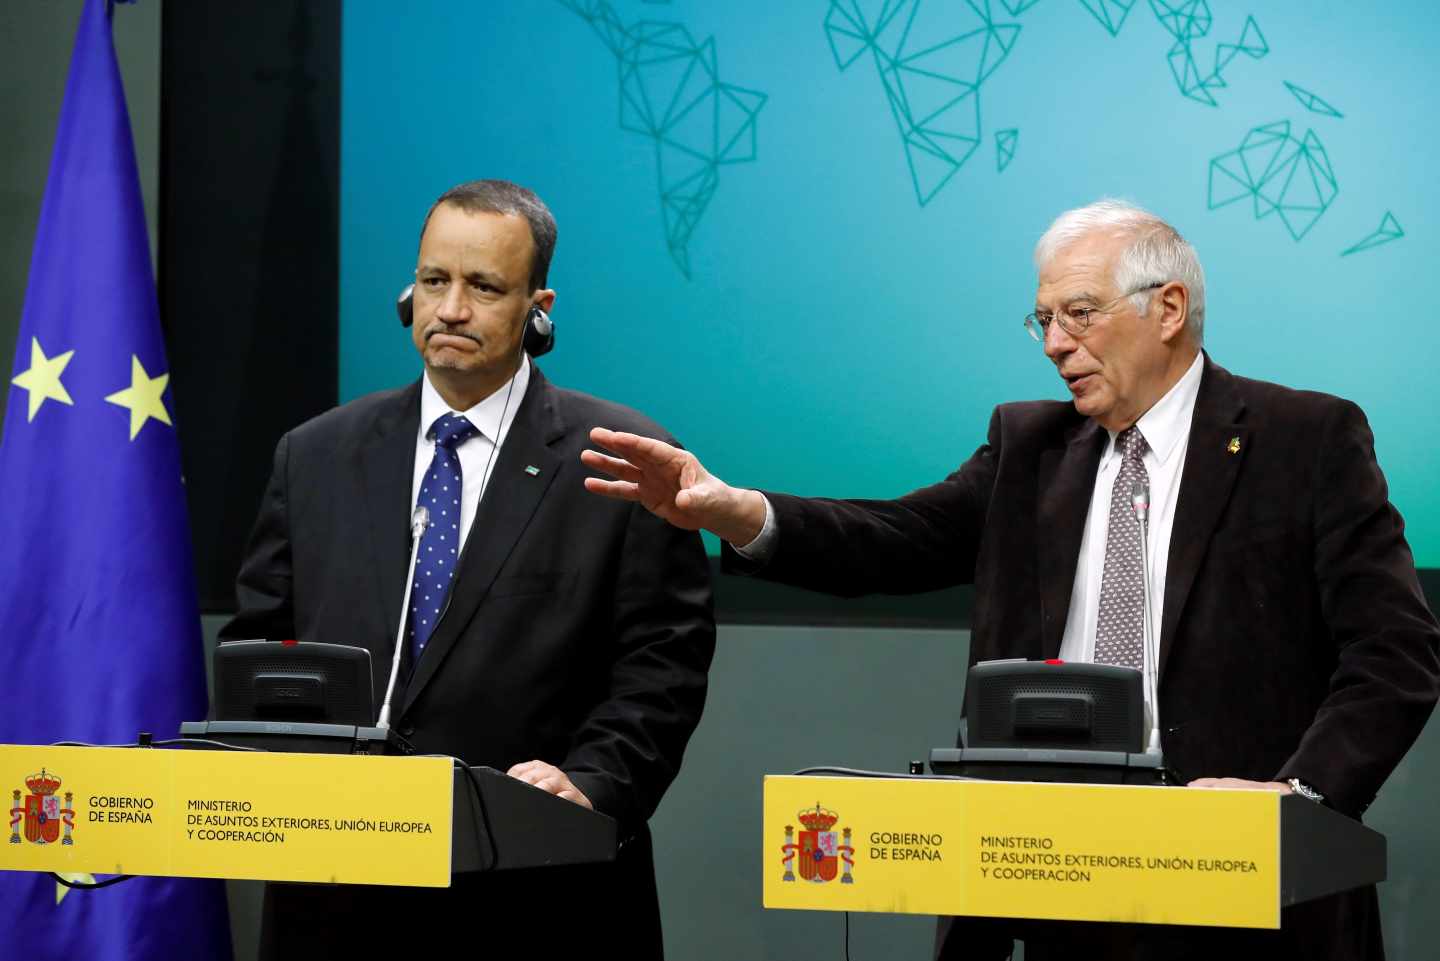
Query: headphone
point(539, 328)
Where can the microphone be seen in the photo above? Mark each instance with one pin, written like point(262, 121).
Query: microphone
point(1140, 501)
point(418, 522)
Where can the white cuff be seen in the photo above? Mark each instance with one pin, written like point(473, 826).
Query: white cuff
point(763, 546)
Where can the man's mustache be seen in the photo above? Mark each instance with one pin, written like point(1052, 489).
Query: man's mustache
point(439, 327)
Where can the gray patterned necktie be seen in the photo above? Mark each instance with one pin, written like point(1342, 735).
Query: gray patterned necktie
point(1120, 628)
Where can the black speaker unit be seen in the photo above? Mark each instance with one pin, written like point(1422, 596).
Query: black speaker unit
point(1052, 721)
point(293, 696)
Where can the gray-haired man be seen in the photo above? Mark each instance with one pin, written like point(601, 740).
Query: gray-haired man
point(1296, 649)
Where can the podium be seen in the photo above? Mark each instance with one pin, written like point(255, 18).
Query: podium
point(328, 818)
point(515, 825)
point(1047, 851)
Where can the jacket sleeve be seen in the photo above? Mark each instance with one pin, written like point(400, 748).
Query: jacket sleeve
point(1387, 676)
point(926, 540)
point(265, 603)
point(629, 747)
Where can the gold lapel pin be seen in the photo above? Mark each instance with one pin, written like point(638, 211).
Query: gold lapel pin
point(532, 470)
point(1234, 446)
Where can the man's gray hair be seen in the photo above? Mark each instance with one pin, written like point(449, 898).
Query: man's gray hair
point(1156, 252)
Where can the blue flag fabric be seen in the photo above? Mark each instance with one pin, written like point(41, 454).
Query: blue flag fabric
point(99, 628)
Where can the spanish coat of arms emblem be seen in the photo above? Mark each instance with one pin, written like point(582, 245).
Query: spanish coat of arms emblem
point(821, 852)
point(41, 812)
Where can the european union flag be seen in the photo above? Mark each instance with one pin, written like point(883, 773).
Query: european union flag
point(99, 630)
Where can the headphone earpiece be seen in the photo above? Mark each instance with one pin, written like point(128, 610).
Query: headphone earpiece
point(539, 332)
point(405, 305)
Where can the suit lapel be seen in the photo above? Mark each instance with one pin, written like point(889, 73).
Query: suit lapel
point(510, 500)
point(1217, 447)
point(387, 472)
point(1067, 480)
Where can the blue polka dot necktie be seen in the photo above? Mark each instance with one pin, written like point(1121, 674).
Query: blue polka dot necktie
point(440, 544)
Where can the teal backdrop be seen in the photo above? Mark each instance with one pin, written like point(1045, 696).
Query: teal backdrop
point(798, 233)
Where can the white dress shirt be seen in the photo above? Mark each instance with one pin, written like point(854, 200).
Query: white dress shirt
point(1166, 429)
point(492, 417)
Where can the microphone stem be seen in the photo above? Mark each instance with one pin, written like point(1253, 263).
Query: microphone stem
point(1152, 658)
point(417, 530)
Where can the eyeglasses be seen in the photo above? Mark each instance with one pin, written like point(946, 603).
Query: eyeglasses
point(1075, 319)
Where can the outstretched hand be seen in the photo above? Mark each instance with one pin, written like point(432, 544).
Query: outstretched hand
point(672, 484)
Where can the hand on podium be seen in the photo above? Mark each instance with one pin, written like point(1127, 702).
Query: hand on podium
point(1240, 784)
point(672, 484)
point(550, 779)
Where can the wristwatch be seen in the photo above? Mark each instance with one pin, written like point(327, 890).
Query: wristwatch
point(1305, 790)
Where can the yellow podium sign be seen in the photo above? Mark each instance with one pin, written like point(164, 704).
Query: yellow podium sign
point(338, 818)
point(1020, 850)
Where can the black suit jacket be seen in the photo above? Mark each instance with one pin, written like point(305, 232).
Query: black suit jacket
point(579, 629)
point(1295, 639)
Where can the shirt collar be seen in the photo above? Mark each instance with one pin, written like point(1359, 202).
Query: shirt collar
point(484, 415)
point(1164, 424)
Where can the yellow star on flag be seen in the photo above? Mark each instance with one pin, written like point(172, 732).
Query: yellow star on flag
point(61, 890)
point(42, 380)
point(142, 397)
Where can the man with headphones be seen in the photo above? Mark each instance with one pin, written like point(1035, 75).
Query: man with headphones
point(549, 634)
